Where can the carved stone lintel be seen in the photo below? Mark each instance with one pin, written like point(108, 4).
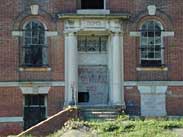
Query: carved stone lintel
point(35, 90)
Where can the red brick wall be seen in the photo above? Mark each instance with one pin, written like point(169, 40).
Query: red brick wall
point(12, 18)
point(10, 129)
point(57, 53)
point(51, 125)
point(11, 105)
point(11, 102)
point(174, 101)
point(8, 45)
point(55, 100)
point(169, 12)
point(171, 17)
point(132, 101)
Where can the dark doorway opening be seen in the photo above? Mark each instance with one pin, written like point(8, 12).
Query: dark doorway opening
point(83, 97)
point(92, 4)
point(34, 110)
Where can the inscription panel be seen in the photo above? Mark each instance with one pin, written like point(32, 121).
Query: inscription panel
point(93, 23)
point(153, 100)
point(153, 105)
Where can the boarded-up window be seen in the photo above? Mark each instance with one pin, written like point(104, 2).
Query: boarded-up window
point(34, 110)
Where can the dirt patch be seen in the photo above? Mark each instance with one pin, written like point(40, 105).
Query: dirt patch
point(78, 133)
point(178, 131)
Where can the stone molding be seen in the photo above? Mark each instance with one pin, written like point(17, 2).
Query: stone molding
point(76, 25)
point(152, 89)
point(28, 84)
point(153, 83)
point(35, 90)
point(10, 119)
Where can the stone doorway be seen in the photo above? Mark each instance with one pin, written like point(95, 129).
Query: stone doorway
point(93, 87)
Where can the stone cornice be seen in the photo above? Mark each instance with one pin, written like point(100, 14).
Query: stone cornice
point(29, 84)
point(97, 16)
point(153, 83)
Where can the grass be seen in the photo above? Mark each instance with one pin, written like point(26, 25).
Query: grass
point(123, 127)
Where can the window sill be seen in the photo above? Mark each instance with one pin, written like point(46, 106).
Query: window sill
point(152, 68)
point(35, 69)
point(90, 52)
point(93, 11)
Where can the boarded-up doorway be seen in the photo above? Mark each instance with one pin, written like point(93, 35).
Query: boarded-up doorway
point(93, 85)
point(34, 110)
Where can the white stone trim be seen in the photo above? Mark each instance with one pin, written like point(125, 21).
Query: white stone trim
point(41, 69)
point(66, 68)
point(51, 33)
point(71, 75)
point(153, 100)
point(168, 34)
point(135, 34)
point(34, 9)
point(116, 69)
point(151, 10)
point(11, 119)
point(93, 11)
point(58, 84)
point(17, 84)
point(153, 83)
point(164, 34)
point(46, 105)
point(152, 69)
point(126, 83)
point(105, 4)
point(95, 25)
point(9, 84)
point(152, 89)
point(35, 90)
point(17, 33)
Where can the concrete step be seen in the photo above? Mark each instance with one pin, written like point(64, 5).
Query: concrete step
point(100, 115)
point(100, 112)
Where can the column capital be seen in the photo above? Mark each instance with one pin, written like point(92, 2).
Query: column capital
point(116, 33)
point(71, 32)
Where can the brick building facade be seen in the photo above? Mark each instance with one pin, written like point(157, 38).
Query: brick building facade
point(54, 53)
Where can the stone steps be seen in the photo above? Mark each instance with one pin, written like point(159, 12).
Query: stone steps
point(100, 112)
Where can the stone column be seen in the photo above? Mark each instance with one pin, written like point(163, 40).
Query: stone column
point(116, 42)
point(71, 68)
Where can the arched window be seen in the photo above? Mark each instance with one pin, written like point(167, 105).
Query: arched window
point(34, 50)
point(151, 48)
